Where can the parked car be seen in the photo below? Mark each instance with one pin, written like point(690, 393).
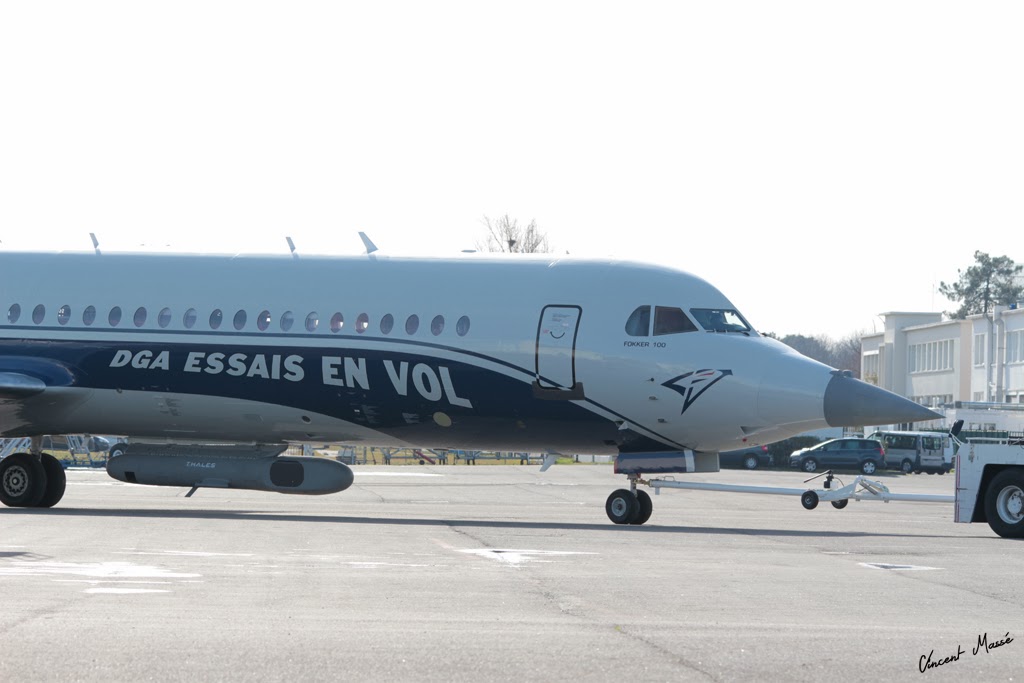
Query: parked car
point(866, 455)
point(917, 452)
point(745, 458)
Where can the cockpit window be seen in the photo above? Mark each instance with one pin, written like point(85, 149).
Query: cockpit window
point(720, 320)
point(639, 323)
point(669, 320)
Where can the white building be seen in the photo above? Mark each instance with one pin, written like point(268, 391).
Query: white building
point(973, 369)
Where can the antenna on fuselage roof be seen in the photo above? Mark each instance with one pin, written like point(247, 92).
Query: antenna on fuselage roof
point(95, 242)
point(291, 246)
point(370, 246)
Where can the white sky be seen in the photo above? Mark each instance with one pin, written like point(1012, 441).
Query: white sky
point(819, 162)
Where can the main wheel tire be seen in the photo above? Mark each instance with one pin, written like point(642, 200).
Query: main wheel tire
point(751, 462)
point(1004, 504)
point(117, 449)
point(646, 508)
point(906, 467)
point(809, 465)
point(840, 504)
point(22, 481)
point(868, 467)
point(56, 481)
point(622, 506)
point(809, 499)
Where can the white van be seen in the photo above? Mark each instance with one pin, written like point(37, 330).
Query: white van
point(917, 452)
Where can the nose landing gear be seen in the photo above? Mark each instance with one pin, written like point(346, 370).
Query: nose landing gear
point(629, 506)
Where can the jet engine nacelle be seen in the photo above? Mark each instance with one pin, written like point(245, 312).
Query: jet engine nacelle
point(311, 476)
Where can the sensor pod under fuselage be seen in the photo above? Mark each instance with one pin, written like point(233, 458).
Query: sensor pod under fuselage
point(311, 476)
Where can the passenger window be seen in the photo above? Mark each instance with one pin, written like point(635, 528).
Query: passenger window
point(671, 321)
point(412, 323)
point(164, 318)
point(639, 323)
point(140, 316)
point(263, 321)
point(362, 322)
point(437, 325)
point(64, 314)
point(189, 320)
point(462, 327)
point(287, 320)
point(89, 315)
point(240, 319)
point(337, 322)
point(312, 322)
point(13, 313)
point(114, 318)
point(38, 314)
point(387, 323)
point(216, 318)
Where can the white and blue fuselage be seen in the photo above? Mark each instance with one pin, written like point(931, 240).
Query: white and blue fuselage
point(476, 352)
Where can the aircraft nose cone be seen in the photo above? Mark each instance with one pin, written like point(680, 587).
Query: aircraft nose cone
point(850, 402)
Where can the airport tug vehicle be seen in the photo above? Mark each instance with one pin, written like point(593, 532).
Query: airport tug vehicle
point(989, 487)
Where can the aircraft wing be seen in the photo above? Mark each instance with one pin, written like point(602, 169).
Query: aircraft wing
point(16, 385)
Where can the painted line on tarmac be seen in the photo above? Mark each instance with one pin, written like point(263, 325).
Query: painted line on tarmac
point(896, 567)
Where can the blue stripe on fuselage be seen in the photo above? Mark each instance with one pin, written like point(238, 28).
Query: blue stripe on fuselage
point(394, 391)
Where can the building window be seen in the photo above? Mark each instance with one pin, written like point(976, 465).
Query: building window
point(931, 356)
point(871, 366)
point(1015, 347)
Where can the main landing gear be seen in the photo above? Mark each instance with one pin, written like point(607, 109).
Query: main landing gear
point(629, 506)
point(31, 480)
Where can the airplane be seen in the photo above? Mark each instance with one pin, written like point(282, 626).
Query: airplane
point(213, 364)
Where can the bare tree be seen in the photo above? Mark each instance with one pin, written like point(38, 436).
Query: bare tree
point(505, 234)
point(843, 354)
point(846, 353)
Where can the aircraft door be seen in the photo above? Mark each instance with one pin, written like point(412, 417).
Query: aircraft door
point(556, 353)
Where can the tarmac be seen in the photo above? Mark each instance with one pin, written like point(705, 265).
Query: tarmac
point(502, 573)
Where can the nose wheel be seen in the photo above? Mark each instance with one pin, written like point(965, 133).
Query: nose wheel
point(629, 506)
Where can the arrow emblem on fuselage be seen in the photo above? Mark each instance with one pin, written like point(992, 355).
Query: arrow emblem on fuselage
point(692, 384)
